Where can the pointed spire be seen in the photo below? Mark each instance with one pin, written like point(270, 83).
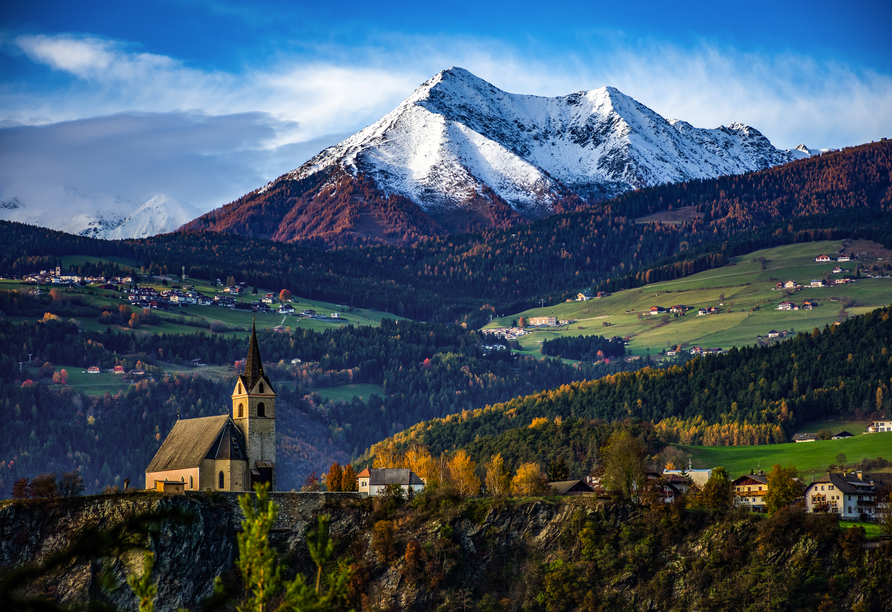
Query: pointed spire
point(253, 366)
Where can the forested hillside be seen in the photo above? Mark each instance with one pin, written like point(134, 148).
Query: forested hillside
point(423, 371)
point(751, 395)
point(469, 277)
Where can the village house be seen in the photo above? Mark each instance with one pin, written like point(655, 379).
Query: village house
point(837, 270)
point(750, 490)
point(699, 477)
point(818, 283)
point(93, 370)
point(843, 281)
point(804, 437)
point(791, 285)
point(877, 426)
point(373, 481)
point(843, 258)
point(657, 310)
point(840, 435)
point(543, 321)
point(809, 305)
point(583, 297)
point(679, 309)
point(850, 495)
point(823, 258)
point(787, 306)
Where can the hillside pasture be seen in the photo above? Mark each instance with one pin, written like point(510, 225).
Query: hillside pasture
point(808, 457)
point(743, 292)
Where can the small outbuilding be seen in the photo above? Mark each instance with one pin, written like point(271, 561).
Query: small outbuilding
point(571, 487)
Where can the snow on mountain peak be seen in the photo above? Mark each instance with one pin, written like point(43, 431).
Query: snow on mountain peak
point(457, 133)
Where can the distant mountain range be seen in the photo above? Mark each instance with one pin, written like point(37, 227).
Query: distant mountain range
point(110, 218)
point(458, 154)
point(468, 154)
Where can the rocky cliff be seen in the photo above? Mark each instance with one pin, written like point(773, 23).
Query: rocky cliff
point(576, 554)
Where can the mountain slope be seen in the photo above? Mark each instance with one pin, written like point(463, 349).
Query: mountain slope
point(159, 215)
point(459, 148)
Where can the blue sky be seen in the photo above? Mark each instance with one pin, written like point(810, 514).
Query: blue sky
point(204, 101)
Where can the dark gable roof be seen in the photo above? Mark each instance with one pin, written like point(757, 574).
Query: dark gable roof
point(253, 366)
point(758, 478)
point(846, 483)
point(230, 444)
point(192, 440)
point(564, 486)
point(400, 476)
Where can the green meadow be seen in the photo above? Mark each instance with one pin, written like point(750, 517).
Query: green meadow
point(808, 457)
point(743, 292)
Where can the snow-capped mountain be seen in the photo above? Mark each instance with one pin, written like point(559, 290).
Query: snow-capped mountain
point(457, 132)
point(159, 215)
point(99, 216)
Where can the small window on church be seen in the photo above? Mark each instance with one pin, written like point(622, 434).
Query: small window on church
point(190, 483)
point(222, 483)
point(241, 410)
point(240, 390)
point(261, 388)
point(261, 410)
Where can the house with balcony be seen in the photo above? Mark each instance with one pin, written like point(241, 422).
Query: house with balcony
point(848, 495)
point(750, 490)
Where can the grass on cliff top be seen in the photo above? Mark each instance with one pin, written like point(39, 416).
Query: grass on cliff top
point(810, 458)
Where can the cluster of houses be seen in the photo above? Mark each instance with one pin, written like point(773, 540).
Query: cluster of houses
point(806, 305)
point(55, 277)
point(696, 350)
point(118, 369)
point(826, 258)
point(851, 495)
point(585, 297)
point(677, 309)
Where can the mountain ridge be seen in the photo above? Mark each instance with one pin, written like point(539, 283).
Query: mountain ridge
point(459, 146)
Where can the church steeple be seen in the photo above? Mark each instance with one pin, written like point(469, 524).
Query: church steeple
point(253, 366)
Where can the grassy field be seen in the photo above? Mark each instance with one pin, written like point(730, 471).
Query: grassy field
point(744, 293)
point(348, 392)
point(88, 384)
point(189, 319)
point(808, 457)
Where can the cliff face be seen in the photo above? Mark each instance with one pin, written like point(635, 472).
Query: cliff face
point(536, 555)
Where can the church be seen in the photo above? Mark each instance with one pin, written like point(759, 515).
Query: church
point(227, 452)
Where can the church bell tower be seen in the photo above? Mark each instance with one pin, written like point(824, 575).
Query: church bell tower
point(254, 412)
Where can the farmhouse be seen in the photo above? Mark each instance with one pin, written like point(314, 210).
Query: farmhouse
point(787, 306)
point(841, 435)
point(804, 437)
point(818, 283)
point(373, 481)
point(546, 321)
point(843, 258)
point(750, 490)
point(880, 426)
point(823, 258)
point(851, 496)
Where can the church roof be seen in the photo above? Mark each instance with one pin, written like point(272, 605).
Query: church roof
point(253, 366)
point(193, 440)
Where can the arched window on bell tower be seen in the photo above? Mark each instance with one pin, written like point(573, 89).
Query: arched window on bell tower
point(261, 410)
point(222, 482)
point(261, 388)
point(241, 410)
